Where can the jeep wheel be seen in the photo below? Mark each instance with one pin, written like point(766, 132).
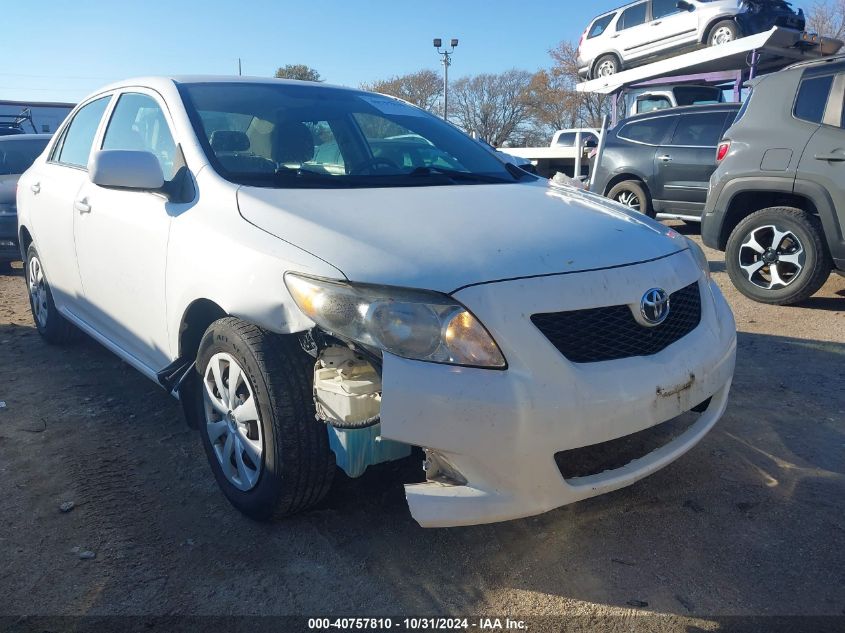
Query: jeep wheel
point(723, 32)
point(778, 256)
point(633, 195)
point(51, 325)
point(606, 66)
point(269, 454)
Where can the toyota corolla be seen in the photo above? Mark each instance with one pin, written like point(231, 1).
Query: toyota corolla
point(330, 279)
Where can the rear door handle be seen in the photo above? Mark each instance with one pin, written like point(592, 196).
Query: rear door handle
point(82, 206)
point(35, 188)
point(833, 157)
point(665, 159)
point(658, 23)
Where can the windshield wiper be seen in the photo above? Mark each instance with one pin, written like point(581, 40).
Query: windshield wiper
point(464, 176)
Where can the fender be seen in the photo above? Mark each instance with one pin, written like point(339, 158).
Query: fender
point(827, 214)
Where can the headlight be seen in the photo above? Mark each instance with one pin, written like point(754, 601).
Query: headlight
point(700, 257)
point(414, 324)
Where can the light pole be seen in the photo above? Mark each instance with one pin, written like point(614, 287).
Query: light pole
point(447, 61)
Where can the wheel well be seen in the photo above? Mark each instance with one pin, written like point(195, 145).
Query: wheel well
point(622, 178)
point(25, 241)
point(199, 315)
point(744, 204)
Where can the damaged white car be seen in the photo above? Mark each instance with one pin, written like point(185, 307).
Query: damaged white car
point(331, 278)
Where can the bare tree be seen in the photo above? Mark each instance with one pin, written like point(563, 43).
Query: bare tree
point(587, 109)
point(300, 72)
point(423, 88)
point(827, 17)
point(495, 106)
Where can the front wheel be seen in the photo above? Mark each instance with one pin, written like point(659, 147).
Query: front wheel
point(269, 454)
point(778, 256)
point(723, 32)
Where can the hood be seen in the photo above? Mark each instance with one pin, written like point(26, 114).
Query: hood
point(447, 237)
point(8, 188)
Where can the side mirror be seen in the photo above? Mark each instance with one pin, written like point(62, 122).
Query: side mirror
point(683, 5)
point(125, 169)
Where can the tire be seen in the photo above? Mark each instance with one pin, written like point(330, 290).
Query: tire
point(632, 194)
point(722, 33)
point(296, 466)
point(792, 245)
point(51, 325)
point(606, 65)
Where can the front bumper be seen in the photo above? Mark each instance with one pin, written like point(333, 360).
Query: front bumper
point(501, 429)
point(9, 250)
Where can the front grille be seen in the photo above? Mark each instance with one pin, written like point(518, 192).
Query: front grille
point(600, 334)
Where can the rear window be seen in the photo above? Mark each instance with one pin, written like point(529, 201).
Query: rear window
point(649, 132)
point(600, 26)
point(698, 95)
point(17, 155)
point(634, 16)
point(566, 140)
point(700, 130)
point(812, 98)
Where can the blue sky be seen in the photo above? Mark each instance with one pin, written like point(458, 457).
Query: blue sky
point(63, 50)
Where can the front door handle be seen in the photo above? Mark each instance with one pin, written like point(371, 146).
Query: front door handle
point(665, 159)
point(35, 188)
point(833, 157)
point(82, 206)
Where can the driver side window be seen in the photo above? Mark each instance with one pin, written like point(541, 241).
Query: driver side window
point(138, 123)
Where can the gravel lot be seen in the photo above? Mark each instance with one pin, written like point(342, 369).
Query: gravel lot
point(750, 522)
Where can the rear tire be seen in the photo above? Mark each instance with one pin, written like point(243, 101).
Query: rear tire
point(722, 33)
point(606, 65)
point(632, 194)
point(281, 462)
point(51, 325)
point(778, 256)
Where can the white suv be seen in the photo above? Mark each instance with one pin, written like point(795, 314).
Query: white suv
point(650, 29)
point(328, 277)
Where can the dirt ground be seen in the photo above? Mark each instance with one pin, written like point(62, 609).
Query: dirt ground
point(750, 522)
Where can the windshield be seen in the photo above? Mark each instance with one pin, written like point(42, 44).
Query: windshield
point(16, 155)
point(287, 135)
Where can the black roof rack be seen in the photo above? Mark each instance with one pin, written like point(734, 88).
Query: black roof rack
point(16, 121)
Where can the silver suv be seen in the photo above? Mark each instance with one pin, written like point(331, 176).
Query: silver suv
point(776, 204)
point(647, 30)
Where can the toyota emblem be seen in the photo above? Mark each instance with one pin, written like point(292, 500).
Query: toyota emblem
point(654, 306)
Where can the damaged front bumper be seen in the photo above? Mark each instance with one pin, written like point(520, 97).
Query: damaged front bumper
point(496, 434)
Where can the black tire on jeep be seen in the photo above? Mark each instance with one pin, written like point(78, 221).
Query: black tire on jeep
point(269, 453)
point(51, 325)
point(778, 256)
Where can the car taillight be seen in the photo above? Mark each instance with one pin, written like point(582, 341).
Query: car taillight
point(722, 151)
point(581, 42)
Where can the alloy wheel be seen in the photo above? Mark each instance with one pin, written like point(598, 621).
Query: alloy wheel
point(38, 291)
point(232, 421)
point(629, 199)
point(771, 257)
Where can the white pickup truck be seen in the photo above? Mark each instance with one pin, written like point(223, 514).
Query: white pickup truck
point(567, 153)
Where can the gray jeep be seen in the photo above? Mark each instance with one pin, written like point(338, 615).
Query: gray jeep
point(776, 203)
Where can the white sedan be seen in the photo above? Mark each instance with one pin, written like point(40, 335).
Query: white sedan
point(321, 293)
